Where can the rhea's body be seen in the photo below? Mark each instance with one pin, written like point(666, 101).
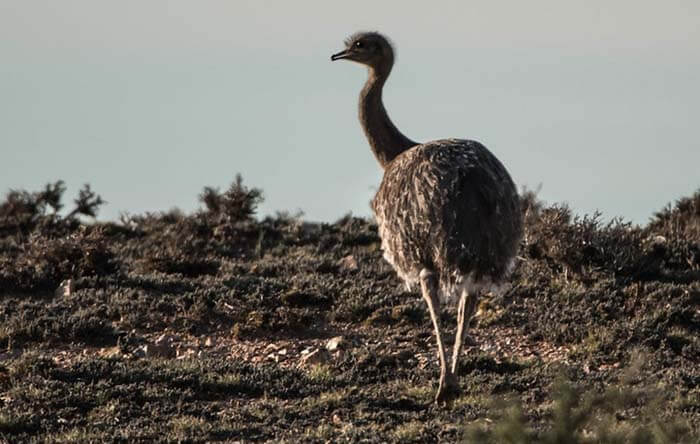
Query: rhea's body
point(448, 211)
point(449, 205)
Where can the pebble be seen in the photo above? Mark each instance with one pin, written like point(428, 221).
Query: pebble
point(348, 263)
point(317, 357)
point(336, 343)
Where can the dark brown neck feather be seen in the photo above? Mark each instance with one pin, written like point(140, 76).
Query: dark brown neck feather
point(384, 138)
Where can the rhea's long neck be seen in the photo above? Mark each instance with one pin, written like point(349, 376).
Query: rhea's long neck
point(384, 138)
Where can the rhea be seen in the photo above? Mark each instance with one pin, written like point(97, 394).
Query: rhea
point(448, 211)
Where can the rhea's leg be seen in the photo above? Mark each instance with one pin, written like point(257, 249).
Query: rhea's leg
point(448, 383)
point(465, 311)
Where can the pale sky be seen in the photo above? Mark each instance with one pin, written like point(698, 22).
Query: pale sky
point(150, 101)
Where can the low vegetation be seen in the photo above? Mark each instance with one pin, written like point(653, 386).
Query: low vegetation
point(217, 326)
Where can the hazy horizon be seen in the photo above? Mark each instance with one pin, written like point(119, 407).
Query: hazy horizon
point(151, 102)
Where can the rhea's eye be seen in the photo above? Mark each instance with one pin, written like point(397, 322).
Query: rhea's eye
point(359, 44)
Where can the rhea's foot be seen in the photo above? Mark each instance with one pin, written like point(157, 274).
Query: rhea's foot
point(448, 389)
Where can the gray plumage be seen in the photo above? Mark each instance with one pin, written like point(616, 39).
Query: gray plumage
point(448, 211)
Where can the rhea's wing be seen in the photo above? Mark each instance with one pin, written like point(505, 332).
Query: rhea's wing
point(448, 205)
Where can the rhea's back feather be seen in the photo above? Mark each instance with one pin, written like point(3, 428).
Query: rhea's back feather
point(449, 205)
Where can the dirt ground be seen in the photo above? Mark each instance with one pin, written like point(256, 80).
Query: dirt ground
point(217, 326)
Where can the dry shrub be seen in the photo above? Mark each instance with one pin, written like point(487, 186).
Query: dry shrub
point(236, 204)
point(41, 263)
point(681, 220)
point(585, 246)
point(622, 413)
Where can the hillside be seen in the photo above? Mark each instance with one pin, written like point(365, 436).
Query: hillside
point(220, 326)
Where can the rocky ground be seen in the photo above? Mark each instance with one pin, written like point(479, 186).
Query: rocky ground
point(216, 326)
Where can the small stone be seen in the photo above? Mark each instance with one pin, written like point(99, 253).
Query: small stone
point(348, 263)
point(186, 353)
point(336, 343)
point(210, 341)
point(282, 352)
point(110, 352)
point(166, 338)
point(65, 288)
point(163, 347)
point(317, 357)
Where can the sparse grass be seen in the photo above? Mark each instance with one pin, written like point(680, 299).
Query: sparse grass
point(471, 400)
point(322, 432)
point(79, 434)
point(424, 393)
point(188, 427)
point(409, 432)
point(321, 373)
point(326, 401)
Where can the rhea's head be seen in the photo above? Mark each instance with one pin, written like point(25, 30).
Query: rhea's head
point(369, 48)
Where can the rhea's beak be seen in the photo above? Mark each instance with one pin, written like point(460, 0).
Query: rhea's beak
point(344, 54)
